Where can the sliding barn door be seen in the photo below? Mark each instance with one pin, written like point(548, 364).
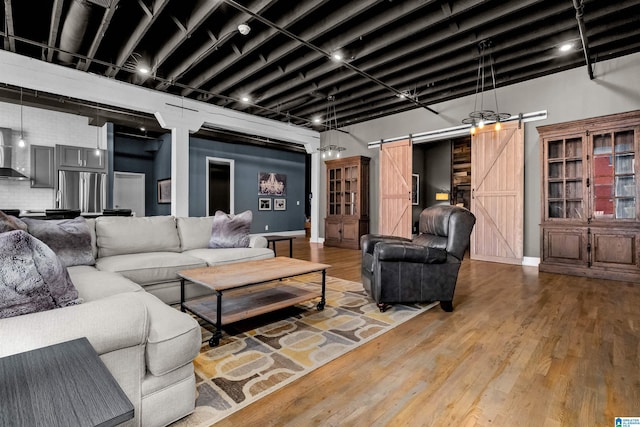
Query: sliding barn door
point(395, 188)
point(497, 194)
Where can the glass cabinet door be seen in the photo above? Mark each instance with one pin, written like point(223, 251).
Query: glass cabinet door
point(565, 178)
point(350, 190)
point(614, 182)
point(335, 191)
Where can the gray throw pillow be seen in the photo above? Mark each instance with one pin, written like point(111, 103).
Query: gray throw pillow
point(231, 231)
point(70, 239)
point(32, 277)
point(10, 223)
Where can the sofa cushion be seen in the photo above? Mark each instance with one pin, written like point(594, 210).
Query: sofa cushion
point(10, 223)
point(194, 232)
point(231, 231)
point(229, 255)
point(174, 338)
point(91, 223)
point(70, 239)
point(93, 284)
point(118, 235)
point(151, 267)
point(32, 277)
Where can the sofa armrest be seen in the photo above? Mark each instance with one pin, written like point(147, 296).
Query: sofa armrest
point(409, 252)
point(258, 242)
point(369, 241)
point(109, 324)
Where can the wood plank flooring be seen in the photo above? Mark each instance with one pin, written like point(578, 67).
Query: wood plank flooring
point(520, 348)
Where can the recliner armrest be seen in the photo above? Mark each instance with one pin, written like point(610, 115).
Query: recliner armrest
point(409, 252)
point(369, 241)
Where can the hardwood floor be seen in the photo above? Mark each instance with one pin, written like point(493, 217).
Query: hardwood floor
point(520, 348)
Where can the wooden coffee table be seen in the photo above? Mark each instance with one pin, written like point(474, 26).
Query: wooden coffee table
point(253, 300)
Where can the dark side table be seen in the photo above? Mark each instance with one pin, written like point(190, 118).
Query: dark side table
point(275, 238)
point(64, 384)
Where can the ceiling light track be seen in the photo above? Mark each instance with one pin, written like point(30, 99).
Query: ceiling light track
point(326, 54)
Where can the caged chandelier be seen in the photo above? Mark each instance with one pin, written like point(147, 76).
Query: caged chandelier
point(479, 117)
point(329, 149)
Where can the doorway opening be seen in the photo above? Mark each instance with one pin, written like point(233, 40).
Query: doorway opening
point(129, 192)
point(220, 185)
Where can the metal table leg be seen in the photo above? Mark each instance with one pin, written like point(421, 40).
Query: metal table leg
point(322, 302)
point(217, 335)
point(182, 295)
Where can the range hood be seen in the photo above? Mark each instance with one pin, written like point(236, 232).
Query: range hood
point(6, 148)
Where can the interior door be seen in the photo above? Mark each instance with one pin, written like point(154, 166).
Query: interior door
point(497, 194)
point(220, 185)
point(395, 188)
point(128, 192)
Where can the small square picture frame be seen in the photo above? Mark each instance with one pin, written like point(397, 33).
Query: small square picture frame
point(279, 204)
point(264, 204)
point(164, 191)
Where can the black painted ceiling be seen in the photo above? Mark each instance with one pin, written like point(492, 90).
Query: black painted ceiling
point(425, 49)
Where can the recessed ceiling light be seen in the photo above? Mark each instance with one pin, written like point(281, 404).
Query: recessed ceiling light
point(566, 47)
point(142, 129)
point(245, 99)
point(316, 120)
point(143, 69)
point(337, 56)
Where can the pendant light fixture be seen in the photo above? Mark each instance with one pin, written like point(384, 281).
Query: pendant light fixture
point(21, 141)
point(329, 149)
point(479, 117)
point(97, 133)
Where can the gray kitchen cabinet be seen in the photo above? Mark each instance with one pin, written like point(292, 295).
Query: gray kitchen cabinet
point(42, 167)
point(70, 157)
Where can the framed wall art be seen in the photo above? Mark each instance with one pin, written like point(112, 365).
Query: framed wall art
point(415, 189)
point(272, 184)
point(164, 190)
point(279, 204)
point(264, 204)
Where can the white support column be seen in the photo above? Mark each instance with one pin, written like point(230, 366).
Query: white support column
point(316, 171)
point(181, 125)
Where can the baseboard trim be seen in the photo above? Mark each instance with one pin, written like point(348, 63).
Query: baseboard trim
point(281, 233)
point(531, 261)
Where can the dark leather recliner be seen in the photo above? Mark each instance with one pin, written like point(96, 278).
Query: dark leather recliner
point(399, 270)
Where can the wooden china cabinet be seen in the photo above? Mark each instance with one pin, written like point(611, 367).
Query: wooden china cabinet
point(590, 210)
point(347, 201)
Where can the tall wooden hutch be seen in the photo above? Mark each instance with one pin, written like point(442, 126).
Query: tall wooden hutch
point(590, 210)
point(347, 201)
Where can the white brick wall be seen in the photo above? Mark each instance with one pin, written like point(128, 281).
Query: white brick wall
point(40, 127)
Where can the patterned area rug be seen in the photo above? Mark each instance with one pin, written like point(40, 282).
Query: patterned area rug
point(260, 355)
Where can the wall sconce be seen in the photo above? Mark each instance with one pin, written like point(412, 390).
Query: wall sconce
point(442, 196)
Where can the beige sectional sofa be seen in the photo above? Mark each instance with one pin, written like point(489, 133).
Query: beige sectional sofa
point(147, 345)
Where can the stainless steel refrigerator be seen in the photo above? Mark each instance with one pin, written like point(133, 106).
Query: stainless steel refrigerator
point(86, 191)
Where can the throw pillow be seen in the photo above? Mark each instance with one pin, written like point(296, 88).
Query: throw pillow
point(10, 223)
point(231, 231)
point(32, 277)
point(70, 239)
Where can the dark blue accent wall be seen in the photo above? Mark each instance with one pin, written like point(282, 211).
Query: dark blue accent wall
point(135, 155)
point(162, 170)
point(249, 161)
point(153, 158)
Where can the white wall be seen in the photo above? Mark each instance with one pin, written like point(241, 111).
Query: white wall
point(569, 95)
point(40, 127)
